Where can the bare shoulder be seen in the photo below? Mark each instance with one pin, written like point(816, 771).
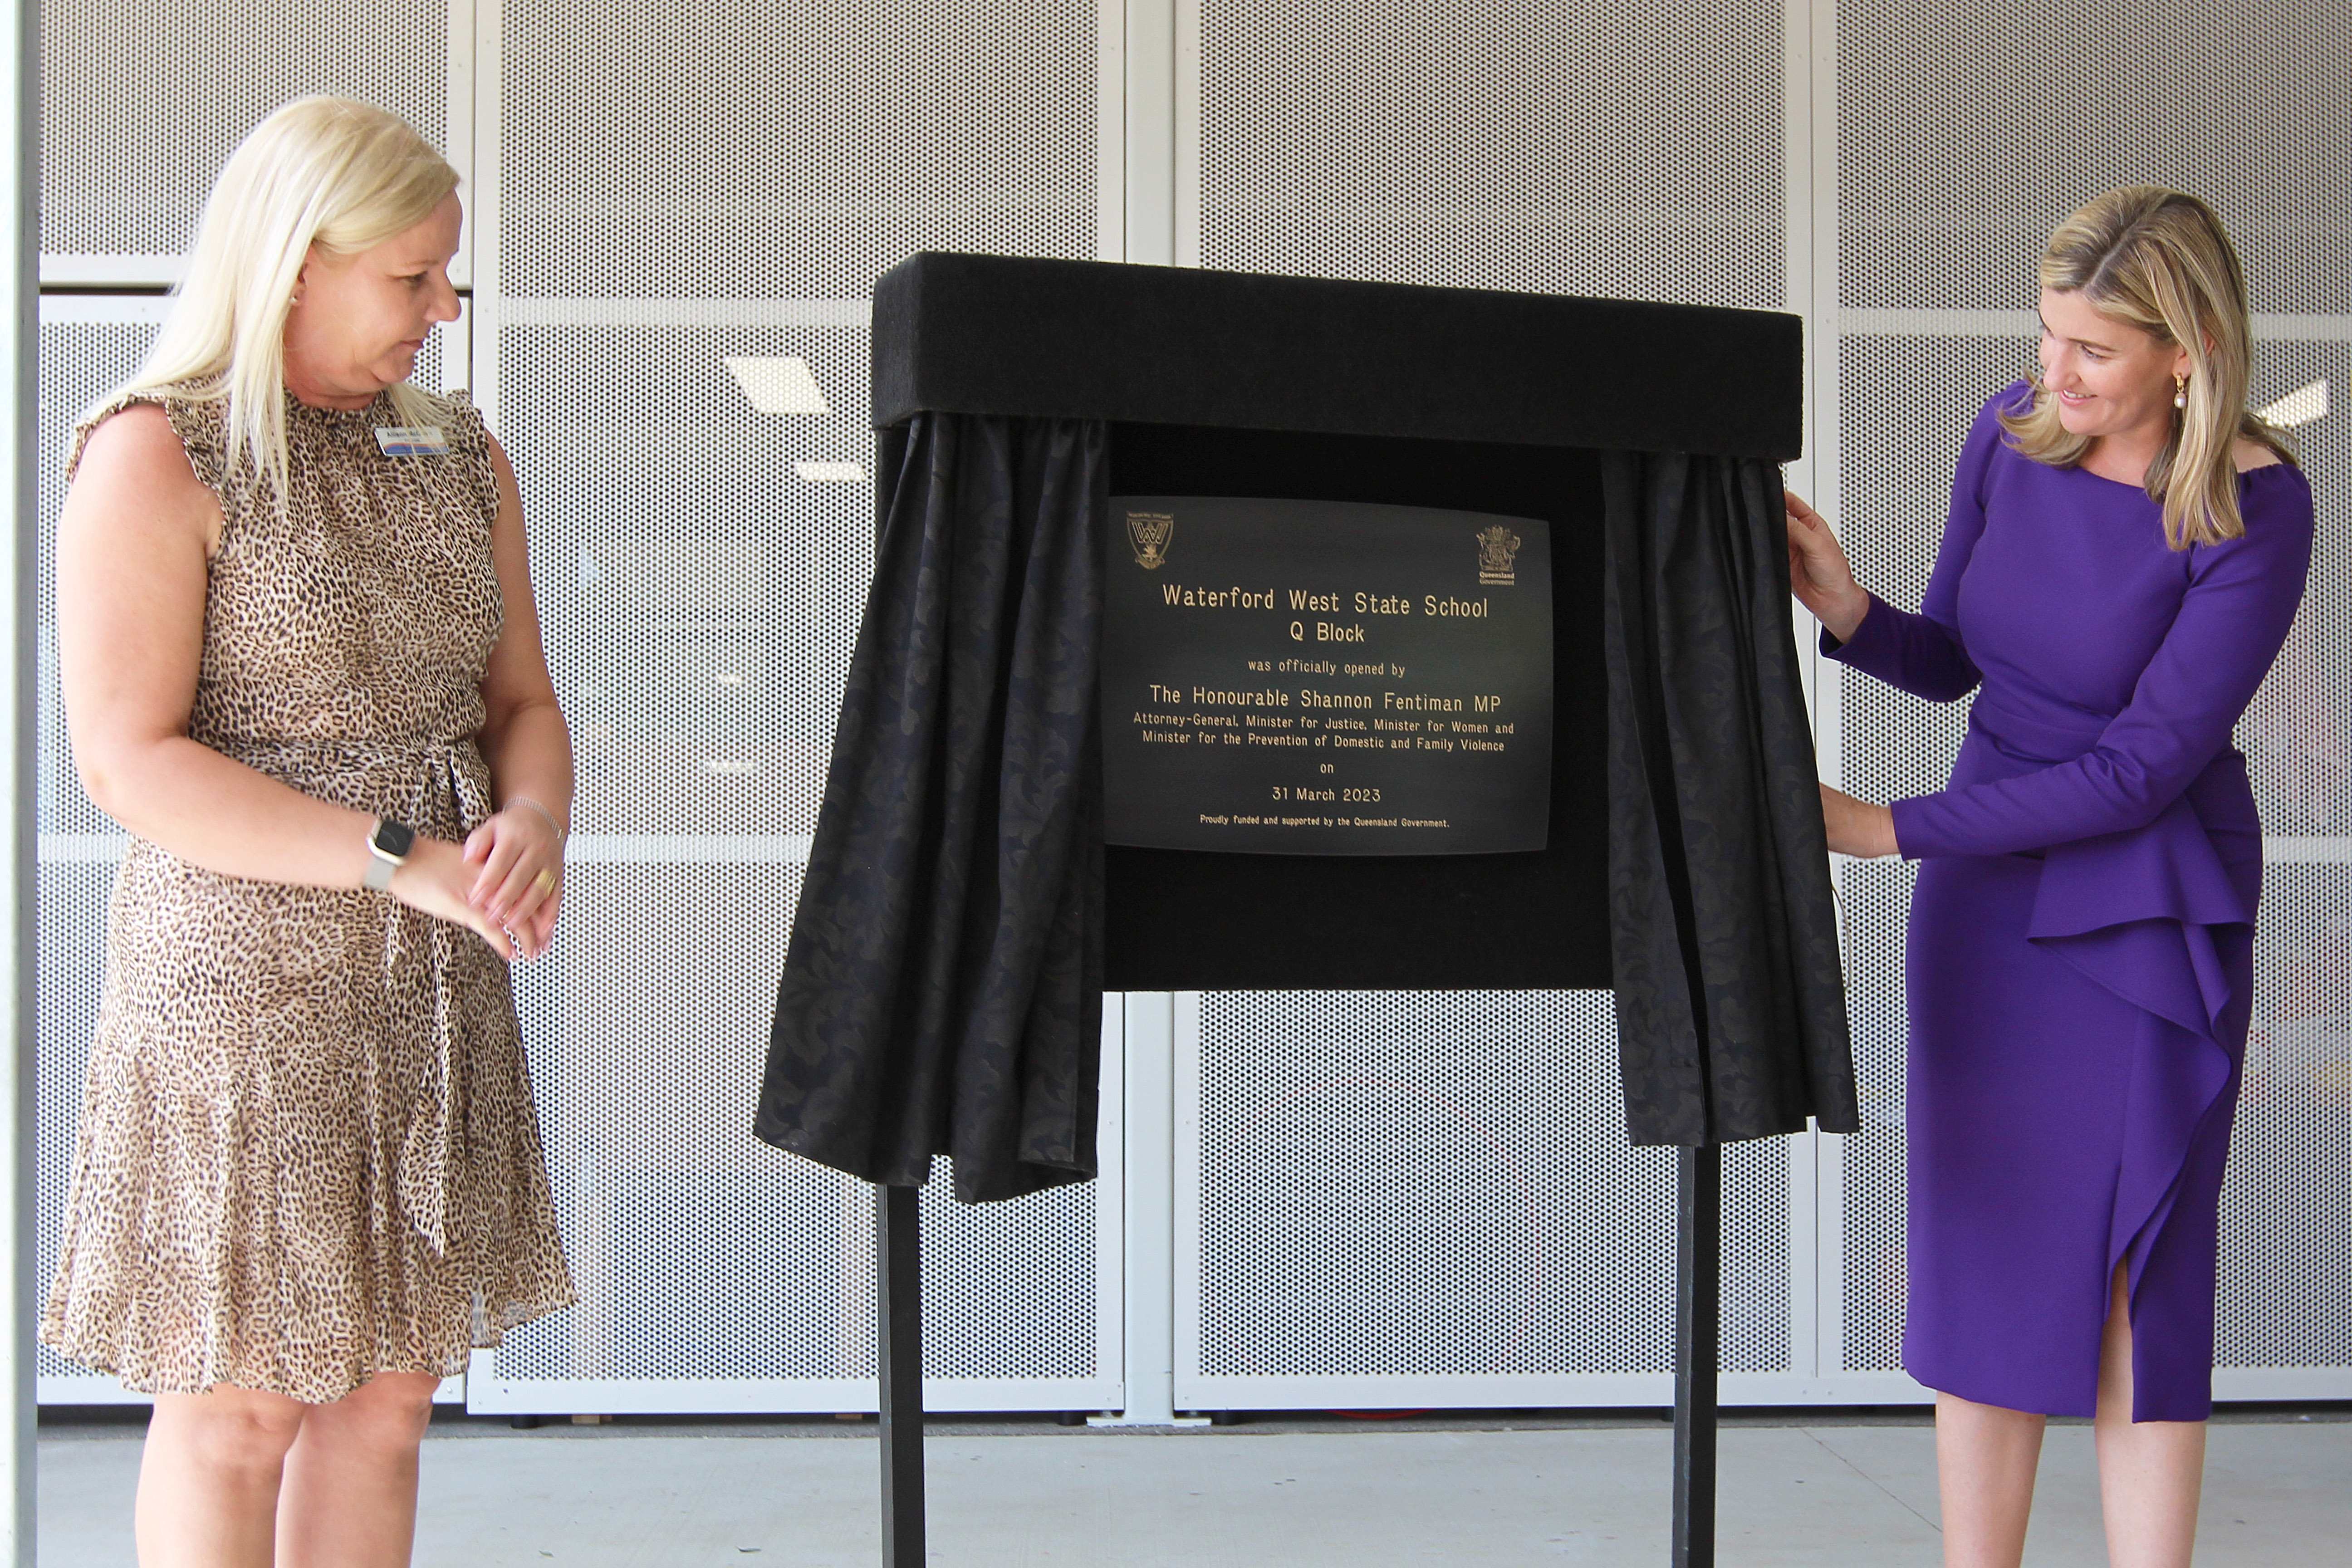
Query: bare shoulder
point(134, 476)
point(2252, 455)
point(135, 448)
point(502, 469)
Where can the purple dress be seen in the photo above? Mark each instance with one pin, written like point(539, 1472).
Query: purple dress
point(2080, 963)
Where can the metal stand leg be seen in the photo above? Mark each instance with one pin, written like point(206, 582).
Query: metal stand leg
point(1699, 1337)
point(898, 1225)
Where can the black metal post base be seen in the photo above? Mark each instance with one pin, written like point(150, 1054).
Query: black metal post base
point(898, 1224)
point(1698, 1334)
point(1699, 1337)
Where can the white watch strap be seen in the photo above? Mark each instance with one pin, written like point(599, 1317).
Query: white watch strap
point(381, 866)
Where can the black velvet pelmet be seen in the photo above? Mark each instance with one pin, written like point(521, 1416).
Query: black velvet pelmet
point(1730, 1000)
point(943, 992)
point(1239, 350)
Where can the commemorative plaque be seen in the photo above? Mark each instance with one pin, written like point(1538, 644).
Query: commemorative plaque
point(1326, 677)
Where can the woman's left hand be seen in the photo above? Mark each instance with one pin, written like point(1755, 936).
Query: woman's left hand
point(1857, 827)
point(520, 883)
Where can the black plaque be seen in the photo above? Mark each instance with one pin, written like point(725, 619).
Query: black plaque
point(1326, 677)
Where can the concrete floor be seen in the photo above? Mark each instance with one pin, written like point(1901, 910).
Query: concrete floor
point(1299, 1494)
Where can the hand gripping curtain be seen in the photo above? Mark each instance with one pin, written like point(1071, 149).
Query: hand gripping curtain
point(1730, 1002)
point(943, 989)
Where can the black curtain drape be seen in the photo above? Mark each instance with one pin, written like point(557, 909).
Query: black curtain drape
point(1730, 1001)
point(943, 992)
point(944, 988)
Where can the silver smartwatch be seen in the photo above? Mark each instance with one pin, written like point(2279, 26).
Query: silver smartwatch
point(388, 847)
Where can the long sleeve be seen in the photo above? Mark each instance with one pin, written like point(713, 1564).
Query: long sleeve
point(1922, 653)
point(2240, 598)
point(1913, 653)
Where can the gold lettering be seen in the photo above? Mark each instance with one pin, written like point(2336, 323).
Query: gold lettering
point(1451, 607)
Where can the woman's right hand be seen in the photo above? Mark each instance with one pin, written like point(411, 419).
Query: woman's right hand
point(1819, 573)
point(435, 880)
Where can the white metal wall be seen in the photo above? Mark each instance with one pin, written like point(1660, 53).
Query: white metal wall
point(702, 565)
point(1324, 1199)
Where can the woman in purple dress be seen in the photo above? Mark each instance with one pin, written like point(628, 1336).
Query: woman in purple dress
point(2125, 549)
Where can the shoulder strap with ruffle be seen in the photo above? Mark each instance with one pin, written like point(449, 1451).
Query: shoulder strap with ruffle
point(199, 423)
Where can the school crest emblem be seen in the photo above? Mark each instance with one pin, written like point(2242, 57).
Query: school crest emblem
point(1149, 532)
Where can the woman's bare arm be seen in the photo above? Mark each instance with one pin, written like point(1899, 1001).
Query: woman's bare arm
point(527, 744)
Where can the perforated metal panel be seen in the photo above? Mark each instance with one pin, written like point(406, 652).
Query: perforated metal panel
point(2295, 734)
point(1438, 1185)
point(140, 104)
point(703, 567)
point(1874, 901)
point(790, 149)
point(2286, 1207)
point(700, 599)
point(1966, 131)
point(1571, 148)
point(1891, 519)
point(702, 1255)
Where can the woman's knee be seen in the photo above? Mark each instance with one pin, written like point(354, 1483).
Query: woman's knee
point(390, 1410)
point(229, 1428)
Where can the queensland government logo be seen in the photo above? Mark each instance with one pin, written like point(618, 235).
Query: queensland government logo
point(1498, 548)
point(1150, 532)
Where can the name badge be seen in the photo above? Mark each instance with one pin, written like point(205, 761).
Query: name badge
point(412, 441)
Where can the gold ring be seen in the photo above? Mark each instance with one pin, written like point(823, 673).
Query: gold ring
point(544, 881)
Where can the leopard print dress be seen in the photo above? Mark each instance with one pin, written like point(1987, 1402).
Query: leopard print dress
point(308, 1151)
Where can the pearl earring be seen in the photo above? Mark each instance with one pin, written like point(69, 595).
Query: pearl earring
point(2180, 392)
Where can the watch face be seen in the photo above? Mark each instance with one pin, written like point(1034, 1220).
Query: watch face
point(393, 838)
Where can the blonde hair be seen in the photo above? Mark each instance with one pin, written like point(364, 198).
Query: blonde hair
point(325, 172)
point(2160, 261)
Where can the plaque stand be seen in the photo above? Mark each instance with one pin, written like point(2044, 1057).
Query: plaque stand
point(1178, 381)
point(1698, 1329)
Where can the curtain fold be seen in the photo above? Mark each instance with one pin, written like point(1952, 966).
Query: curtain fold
point(1729, 996)
point(943, 990)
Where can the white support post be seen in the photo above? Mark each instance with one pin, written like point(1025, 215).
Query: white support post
point(19, 345)
point(459, 138)
point(1110, 130)
point(1147, 188)
point(1186, 130)
point(485, 128)
point(1798, 132)
point(1824, 464)
point(1151, 131)
point(1149, 1086)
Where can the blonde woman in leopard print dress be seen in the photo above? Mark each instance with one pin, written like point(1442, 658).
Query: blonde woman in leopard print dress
point(295, 624)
